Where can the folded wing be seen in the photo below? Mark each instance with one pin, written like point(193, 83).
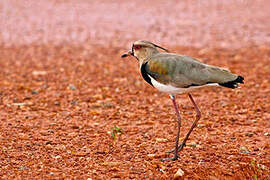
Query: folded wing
point(183, 72)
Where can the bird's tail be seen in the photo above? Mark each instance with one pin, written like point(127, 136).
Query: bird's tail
point(233, 84)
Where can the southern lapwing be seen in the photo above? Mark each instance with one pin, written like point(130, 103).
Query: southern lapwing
point(177, 74)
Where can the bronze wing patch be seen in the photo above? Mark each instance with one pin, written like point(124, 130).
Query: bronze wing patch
point(158, 71)
point(157, 67)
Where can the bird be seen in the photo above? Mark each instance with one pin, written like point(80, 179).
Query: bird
point(178, 74)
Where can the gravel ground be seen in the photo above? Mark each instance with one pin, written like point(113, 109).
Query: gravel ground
point(72, 108)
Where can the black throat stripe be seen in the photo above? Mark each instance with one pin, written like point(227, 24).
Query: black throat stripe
point(145, 75)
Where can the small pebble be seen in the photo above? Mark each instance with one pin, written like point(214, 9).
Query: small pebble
point(50, 130)
point(22, 167)
point(20, 104)
point(151, 155)
point(161, 170)
point(254, 120)
point(44, 86)
point(57, 157)
point(74, 102)
point(56, 103)
point(72, 87)
point(39, 73)
point(200, 125)
point(178, 174)
point(244, 149)
point(34, 92)
point(161, 140)
point(223, 104)
point(249, 134)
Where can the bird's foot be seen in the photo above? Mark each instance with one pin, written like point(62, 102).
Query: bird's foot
point(178, 149)
point(170, 159)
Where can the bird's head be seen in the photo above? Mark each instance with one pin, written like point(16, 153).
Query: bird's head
point(142, 50)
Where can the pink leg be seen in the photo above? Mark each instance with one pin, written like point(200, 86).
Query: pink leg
point(198, 116)
point(175, 157)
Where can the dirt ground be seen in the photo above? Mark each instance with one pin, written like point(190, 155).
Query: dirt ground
point(71, 108)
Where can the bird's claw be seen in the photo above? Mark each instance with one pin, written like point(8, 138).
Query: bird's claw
point(170, 159)
point(179, 149)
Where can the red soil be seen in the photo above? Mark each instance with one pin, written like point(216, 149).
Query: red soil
point(72, 108)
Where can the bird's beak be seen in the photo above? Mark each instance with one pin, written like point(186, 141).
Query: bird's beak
point(129, 53)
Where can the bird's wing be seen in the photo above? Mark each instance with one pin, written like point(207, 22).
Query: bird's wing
point(158, 70)
point(183, 71)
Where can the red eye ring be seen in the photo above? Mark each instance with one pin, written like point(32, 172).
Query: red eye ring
point(136, 47)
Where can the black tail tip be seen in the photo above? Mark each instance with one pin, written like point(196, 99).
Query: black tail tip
point(239, 79)
point(233, 84)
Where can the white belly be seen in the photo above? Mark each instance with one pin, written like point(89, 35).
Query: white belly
point(175, 90)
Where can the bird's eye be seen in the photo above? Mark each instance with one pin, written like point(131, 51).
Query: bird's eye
point(136, 47)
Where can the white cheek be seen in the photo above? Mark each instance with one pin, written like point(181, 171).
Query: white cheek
point(140, 53)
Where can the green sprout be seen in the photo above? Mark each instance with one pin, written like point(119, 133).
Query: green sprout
point(116, 131)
